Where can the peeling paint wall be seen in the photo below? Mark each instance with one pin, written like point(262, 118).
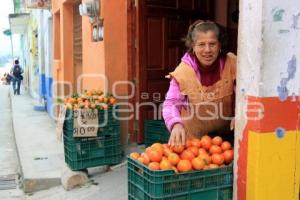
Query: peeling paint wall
point(268, 103)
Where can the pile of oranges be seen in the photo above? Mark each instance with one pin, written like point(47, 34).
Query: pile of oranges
point(196, 154)
point(93, 99)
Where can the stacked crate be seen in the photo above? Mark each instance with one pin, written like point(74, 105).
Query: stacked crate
point(155, 131)
point(105, 149)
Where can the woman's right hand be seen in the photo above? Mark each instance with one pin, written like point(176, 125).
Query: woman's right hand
point(177, 136)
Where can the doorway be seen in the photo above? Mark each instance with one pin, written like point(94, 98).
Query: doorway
point(162, 26)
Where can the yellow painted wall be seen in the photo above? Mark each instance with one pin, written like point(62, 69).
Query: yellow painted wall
point(273, 166)
point(297, 188)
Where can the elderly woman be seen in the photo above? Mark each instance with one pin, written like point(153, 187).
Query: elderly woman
point(200, 99)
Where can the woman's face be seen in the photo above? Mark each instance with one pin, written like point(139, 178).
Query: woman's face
point(206, 48)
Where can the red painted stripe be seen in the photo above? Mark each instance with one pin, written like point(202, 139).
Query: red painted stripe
point(276, 114)
point(242, 165)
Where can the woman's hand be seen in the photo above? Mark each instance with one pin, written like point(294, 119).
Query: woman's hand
point(177, 136)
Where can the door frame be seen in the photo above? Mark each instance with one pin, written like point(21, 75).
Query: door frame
point(135, 60)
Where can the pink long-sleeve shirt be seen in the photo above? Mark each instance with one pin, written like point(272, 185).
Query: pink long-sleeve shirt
point(175, 100)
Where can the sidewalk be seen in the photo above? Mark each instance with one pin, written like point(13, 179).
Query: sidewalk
point(40, 153)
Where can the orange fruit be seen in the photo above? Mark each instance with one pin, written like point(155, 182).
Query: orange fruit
point(178, 149)
point(215, 149)
point(217, 159)
point(100, 99)
point(157, 147)
point(196, 142)
point(173, 158)
point(202, 151)
point(184, 166)
point(198, 163)
point(225, 146)
point(205, 157)
point(143, 160)
point(164, 158)
point(148, 149)
point(217, 140)
point(165, 164)
point(112, 100)
point(228, 156)
point(167, 151)
point(134, 155)
point(155, 156)
point(187, 155)
point(194, 149)
point(146, 159)
point(105, 100)
point(154, 166)
point(206, 142)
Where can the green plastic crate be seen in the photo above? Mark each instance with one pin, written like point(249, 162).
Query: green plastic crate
point(155, 131)
point(211, 184)
point(94, 162)
point(91, 152)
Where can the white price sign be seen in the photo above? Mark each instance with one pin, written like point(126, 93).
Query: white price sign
point(85, 123)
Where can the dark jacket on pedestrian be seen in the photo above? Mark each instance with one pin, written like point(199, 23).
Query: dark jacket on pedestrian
point(17, 72)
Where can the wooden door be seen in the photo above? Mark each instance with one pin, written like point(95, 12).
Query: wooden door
point(162, 26)
point(232, 24)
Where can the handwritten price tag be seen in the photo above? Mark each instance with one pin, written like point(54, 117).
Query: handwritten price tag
point(85, 123)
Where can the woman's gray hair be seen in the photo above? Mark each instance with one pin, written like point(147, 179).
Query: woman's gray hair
point(204, 26)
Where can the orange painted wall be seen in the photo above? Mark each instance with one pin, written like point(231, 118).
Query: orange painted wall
point(63, 48)
point(107, 57)
point(116, 51)
point(93, 63)
point(115, 41)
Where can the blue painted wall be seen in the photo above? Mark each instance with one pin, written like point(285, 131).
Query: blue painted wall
point(42, 87)
point(48, 94)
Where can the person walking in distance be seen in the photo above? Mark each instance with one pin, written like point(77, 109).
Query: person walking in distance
point(16, 73)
